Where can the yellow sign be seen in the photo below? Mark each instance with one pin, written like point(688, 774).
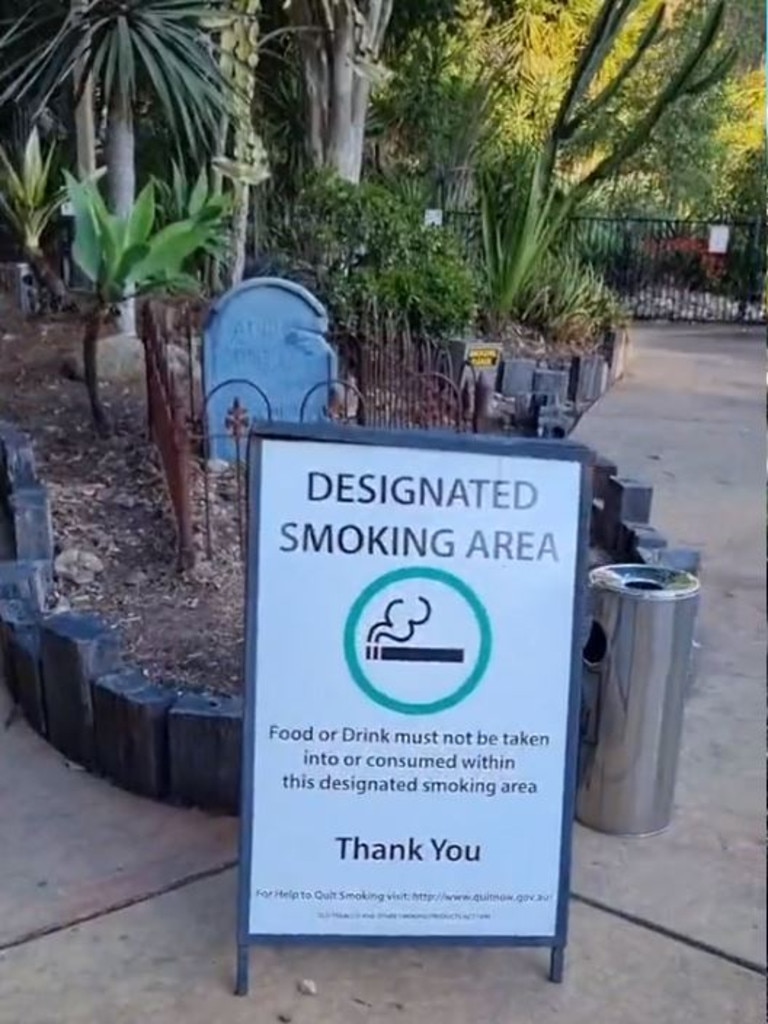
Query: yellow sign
point(484, 358)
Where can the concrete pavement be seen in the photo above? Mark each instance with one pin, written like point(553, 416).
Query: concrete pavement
point(691, 420)
point(679, 912)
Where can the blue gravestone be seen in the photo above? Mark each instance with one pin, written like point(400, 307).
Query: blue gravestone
point(264, 348)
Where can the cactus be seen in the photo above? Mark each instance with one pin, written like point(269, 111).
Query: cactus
point(576, 109)
point(247, 166)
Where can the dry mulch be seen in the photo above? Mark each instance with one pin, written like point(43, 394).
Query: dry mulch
point(108, 499)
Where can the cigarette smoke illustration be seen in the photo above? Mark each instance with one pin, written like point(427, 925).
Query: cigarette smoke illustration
point(395, 629)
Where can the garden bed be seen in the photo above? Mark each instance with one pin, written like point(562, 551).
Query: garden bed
point(81, 680)
point(108, 501)
point(113, 525)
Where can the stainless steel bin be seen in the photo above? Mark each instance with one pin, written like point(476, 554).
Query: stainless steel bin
point(637, 663)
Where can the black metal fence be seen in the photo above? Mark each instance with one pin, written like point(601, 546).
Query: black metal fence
point(664, 269)
point(679, 269)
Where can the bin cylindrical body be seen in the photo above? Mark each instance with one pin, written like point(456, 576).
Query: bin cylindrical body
point(637, 668)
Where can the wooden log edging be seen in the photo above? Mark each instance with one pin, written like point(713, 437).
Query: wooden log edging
point(66, 674)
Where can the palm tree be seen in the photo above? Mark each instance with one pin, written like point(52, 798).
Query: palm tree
point(131, 51)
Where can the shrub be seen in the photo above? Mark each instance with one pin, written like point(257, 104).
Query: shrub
point(569, 301)
point(365, 248)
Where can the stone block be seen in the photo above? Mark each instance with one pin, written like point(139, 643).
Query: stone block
point(635, 536)
point(76, 649)
point(602, 471)
point(615, 350)
point(596, 524)
point(551, 386)
point(24, 650)
point(626, 500)
point(517, 377)
point(17, 460)
point(682, 559)
point(130, 717)
point(554, 421)
point(574, 375)
point(204, 745)
point(32, 527)
point(29, 580)
point(593, 379)
point(14, 614)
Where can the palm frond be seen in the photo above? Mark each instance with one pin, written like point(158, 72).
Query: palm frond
point(137, 46)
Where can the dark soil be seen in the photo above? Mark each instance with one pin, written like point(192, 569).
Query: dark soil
point(108, 498)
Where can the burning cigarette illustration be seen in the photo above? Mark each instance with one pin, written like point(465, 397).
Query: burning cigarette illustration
point(400, 636)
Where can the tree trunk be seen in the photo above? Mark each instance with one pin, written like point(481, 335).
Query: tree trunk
point(239, 233)
point(90, 369)
point(360, 100)
point(84, 120)
point(48, 278)
point(337, 93)
point(121, 177)
point(341, 155)
point(86, 133)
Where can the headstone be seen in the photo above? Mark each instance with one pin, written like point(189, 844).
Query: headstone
point(264, 350)
point(517, 378)
point(551, 385)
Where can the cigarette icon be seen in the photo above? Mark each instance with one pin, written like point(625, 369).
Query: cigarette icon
point(441, 655)
point(401, 649)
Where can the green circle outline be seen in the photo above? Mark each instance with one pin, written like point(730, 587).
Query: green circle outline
point(472, 680)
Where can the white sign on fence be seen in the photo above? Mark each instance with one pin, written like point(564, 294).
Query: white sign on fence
point(412, 655)
point(719, 237)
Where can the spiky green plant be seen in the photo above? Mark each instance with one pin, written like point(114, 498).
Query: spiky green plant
point(127, 257)
point(30, 201)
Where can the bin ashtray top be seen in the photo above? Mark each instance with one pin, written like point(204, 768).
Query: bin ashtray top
point(645, 582)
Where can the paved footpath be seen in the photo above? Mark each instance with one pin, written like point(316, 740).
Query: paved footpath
point(115, 909)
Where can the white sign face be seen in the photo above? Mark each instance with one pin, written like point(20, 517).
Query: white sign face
point(719, 236)
point(413, 664)
point(433, 218)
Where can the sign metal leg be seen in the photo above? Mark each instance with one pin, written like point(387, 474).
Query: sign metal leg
point(556, 964)
point(241, 981)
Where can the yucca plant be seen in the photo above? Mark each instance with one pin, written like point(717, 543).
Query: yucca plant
point(30, 201)
point(569, 301)
point(181, 198)
point(127, 257)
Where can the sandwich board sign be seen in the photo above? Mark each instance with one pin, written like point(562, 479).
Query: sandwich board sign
point(412, 687)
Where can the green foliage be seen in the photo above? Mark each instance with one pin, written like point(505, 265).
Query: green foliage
point(132, 50)
point(519, 219)
point(533, 274)
point(29, 200)
point(628, 93)
point(368, 250)
point(569, 301)
point(527, 197)
point(127, 256)
point(434, 120)
point(183, 199)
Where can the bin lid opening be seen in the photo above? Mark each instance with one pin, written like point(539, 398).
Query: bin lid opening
point(643, 585)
